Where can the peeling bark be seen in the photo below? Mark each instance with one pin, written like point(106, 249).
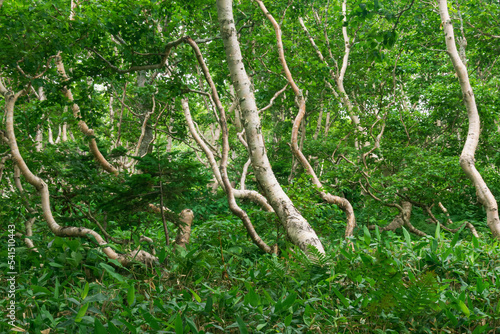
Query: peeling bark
point(184, 230)
point(51, 135)
point(2, 165)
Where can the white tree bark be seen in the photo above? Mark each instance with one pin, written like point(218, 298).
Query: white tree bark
point(81, 123)
point(342, 203)
point(228, 188)
point(43, 191)
point(298, 229)
point(243, 193)
point(467, 160)
point(51, 135)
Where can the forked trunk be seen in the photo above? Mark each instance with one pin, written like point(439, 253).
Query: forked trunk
point(298, 229)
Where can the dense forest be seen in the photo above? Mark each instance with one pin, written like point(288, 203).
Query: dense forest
point(250, 166)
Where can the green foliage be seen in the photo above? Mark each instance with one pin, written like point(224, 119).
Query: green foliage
point(388, 283)
point(398, 81)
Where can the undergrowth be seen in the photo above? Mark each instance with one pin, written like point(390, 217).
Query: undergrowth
point(222, 284)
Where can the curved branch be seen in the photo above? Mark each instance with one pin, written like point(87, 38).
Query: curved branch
point(28, 225)
point(342, 203)
point(467, 159)
point(221, 175)
point(43, 191)
point(225, 152)
point(244, 173)
point(168, 48)
point(273, 98)
point(81, 123)
point(248, 194)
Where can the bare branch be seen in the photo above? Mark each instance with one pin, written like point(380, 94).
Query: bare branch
point(166, 53)
point(482, 32)
point(43, 191)
point(273, 98)
point(342, 203)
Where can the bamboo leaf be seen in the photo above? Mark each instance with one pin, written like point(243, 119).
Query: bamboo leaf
point(81, 312)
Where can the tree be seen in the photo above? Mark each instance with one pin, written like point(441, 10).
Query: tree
point(376, 115)
point(467, 160)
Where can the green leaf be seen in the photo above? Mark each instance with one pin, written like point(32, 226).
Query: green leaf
point(113, 329)
point(131, 295)
point(81, 312)
point(49, 316)
point(56, 289)
point(464, 308)
point(451, 317)
point(151, 321)
point(162, 255)
point(195, 295)
point(480, 329)
point(131, 328)
point(341, 297)
point(178, 325)
point(99, 297)
point(308, 312)
point(475, 242)
point(407, 237)
point(285, 304)
point(112, 272)
point(85, 291)
point(99, 327)
point(56, 265)
point(251, 297)
point(437, 234)
point(191, 325)
point(241, 325)
point(209, 304)
point(367, 235)
point(455, 238)
point(377, 233)
point(288, 320)
point(40, 290)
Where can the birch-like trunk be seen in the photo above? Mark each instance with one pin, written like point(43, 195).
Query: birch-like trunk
point(299, 122)
point(467, 160)
point(298, 229)
point(43, 191)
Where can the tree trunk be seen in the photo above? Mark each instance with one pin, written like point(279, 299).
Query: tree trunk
point(184, 230)
point(43, 191)
point(147, 134)
point(467, 160)
point(298, 229)
point(299, 122)
point(81, 123)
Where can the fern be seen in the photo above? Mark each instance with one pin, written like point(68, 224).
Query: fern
point(316, 258)
point(421, 295)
